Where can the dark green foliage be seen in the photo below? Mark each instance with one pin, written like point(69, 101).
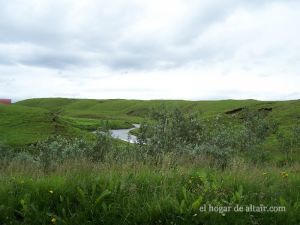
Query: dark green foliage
point(219, 137)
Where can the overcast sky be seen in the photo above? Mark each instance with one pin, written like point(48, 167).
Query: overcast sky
point(154, 49)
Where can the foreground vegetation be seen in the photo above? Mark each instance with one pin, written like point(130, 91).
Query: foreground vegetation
point(184, 163)
point(138, 193)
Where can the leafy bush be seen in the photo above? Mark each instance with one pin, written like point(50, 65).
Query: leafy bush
point(257, 127)
point(219, 137)
point(102, 146)
point(24, 158)
point(167, 131)
point(57, 149)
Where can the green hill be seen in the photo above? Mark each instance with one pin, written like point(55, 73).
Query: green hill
point(21, 125)
point(34, 119)
point(285, 111)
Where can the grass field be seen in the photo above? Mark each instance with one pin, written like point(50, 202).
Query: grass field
point(219, 158)
point(35, 119)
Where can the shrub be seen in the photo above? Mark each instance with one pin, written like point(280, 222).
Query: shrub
point(219, 137)
point(257, 127)
point(57, 149)
point(24, 158)
point(102, 145)
point(167, 131)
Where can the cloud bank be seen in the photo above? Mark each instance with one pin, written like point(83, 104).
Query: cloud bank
point(175, 49)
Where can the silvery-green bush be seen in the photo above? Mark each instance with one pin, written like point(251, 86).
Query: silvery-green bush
point(220, 136)
point(25, 158)
point(57, 149)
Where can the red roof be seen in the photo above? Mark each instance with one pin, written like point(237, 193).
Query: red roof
point(5, 101)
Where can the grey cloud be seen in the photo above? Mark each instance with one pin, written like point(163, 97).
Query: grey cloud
point(53, 61)
point(103, 33)
point(153, 53)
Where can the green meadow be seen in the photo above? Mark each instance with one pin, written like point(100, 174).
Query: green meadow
point(30, 120)
point(196, 162)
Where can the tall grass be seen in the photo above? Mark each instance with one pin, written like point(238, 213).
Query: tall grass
point(147, 193)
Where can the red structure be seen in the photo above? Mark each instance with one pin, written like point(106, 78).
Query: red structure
point(5, 101)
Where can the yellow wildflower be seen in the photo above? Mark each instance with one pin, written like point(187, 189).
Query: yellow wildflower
point(51, 192)
point(53, 220)
point(284, 174)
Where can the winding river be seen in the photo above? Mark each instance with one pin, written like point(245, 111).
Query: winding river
point(123, 134)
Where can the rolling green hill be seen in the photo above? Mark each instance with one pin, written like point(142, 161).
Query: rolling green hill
point(133, 109)
point(21, 125)
point(286, 112)
point(35, 119)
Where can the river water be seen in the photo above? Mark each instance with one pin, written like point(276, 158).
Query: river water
point(123, 134)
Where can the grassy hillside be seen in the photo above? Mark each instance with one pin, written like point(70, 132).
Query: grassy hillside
point(286, 112)
point(21, 125)
point(35, 119)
